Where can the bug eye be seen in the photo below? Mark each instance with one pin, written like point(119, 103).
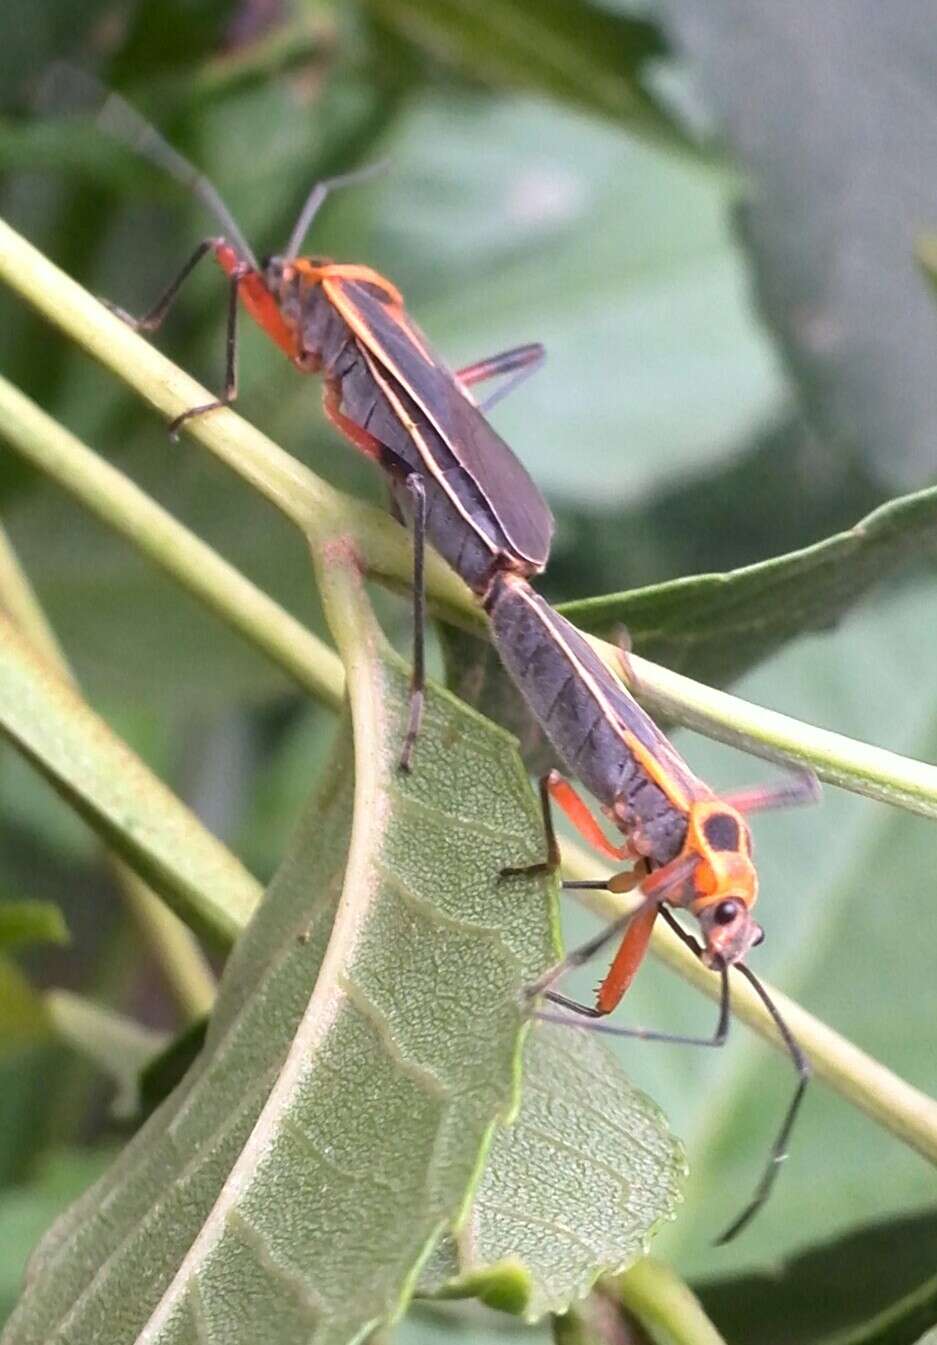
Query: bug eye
point(726, 912)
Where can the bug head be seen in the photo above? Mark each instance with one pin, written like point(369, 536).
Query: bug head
point(724, 882)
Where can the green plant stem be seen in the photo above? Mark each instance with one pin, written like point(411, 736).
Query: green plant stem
point(130, 809)
point(121, 504)
point(663, 1304)
point(894, 1104)
point(841, 761)
point(187, 971)
point(289, 485)
point(18, 599)
point(118, 1045)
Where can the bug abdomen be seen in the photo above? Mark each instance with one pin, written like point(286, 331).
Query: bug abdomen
point(577, 702)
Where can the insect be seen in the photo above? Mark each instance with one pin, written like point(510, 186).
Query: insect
point(451, 476)
point(690, 848)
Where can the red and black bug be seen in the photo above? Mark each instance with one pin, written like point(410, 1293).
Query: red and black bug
point(451, 475)
point(690, 848)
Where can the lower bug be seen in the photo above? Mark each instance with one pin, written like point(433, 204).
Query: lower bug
point(689, 848)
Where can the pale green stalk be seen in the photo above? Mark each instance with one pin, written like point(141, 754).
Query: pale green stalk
point(666, 1307)
point(175, 947)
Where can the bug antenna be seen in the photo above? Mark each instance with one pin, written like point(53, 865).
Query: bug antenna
point(66, 88)
point(779, 1148)
point(317, 196)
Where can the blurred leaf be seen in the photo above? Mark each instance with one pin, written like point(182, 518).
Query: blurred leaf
point(319, 1144)
point(25, 922)
point(34, 35)
point(24, 1020)
point(573, 1188)
point(829, 110)
point(901, 1323)
point(573, 50)
point(166, 36)
point(782, 492)
point(716, 626)
point(836, 1288)
point(28, 1209)
point(620, 260)
point(115, 1044)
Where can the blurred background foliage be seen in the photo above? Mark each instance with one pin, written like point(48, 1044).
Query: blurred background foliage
point(708, 214)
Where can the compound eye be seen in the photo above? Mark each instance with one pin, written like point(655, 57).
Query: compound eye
point(726, 912)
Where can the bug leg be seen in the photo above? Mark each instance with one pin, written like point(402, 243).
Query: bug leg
point(802, 786)
point(553, 786)
point(153, 319)
point(414, 484)
point(718, 1038)
point(520, 363)
point(230, 392)
point(635, 931)
point(552, 861)
point(778, 1152)
point(634, 928)
point(401, 472)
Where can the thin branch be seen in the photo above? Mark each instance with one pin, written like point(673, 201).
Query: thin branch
point(187, 970)
point(152, 530)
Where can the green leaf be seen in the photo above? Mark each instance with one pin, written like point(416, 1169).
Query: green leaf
point(825, 113)
point(27, 1210)
point(840, 1288)
point(25, 922)
point(335, 1122)
point(620, 260)
point(572, 1189)
point(115, 792)
point(572, 50)
point(24, 1020)
point(715, 626)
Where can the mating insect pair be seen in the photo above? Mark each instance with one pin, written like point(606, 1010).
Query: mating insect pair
point(457, 483)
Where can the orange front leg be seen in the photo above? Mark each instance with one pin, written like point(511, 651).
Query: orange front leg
point(628, 959)
point(582, 819)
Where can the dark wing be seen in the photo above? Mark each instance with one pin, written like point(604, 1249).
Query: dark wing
point(400, 347)
point(620, 705)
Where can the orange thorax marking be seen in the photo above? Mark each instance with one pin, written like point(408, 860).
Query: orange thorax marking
point(719, 837)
